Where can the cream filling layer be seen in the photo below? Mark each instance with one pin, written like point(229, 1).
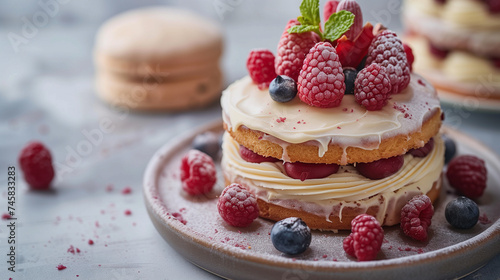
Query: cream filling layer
point(457, 65)
point(348, 125)
point(271, 183)
point(463, 13)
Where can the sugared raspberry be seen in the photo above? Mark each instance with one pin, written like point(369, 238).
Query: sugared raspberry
point(416, 217)
point(292, 49)
point(387, 50)
point(409, 56)
point(36, 164)
point(372, 87)
point(321, 80)
point(329, 8)
point(260, 66)
point(237, 206)
point(365, 239)
point(468, 175)
point(198, 173)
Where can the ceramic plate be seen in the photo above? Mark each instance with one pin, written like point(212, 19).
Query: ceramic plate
point(470, 103)
point(192, 226)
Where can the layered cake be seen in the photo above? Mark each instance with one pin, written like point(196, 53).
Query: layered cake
point(361, 135)
point(456, 45)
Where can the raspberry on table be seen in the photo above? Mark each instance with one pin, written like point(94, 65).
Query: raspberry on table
point(416, 217)
point(260, 66)
point(237, 206)
point(321, 80)
point(365, 239)
point(36, 164)
point(198, 173)
point(387, 50)
point(372, 87)
point(292, 49)
point(467, 174)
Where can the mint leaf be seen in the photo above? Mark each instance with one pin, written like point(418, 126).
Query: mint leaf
point(338, 24)
point(310, 12)
point(303, 28)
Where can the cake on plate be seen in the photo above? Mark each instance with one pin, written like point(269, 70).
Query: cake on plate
point(334, 126)
point(456, 45)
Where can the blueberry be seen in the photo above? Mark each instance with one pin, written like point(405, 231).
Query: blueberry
point(349, 78)
point(462, 212)
point(450, 149)
point(362, 64)
point(283, 89)
point(208, 142)
point(291, 236)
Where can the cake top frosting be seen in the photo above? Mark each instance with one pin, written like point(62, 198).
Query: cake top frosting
point(348, 125)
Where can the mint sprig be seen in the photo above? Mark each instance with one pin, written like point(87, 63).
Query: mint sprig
point(310, 20)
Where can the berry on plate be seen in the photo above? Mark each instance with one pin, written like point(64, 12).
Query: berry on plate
point(260, 66)
point(292, 49)
point(387, 50)
point(283, 89)
point(303, 171)
point(416, 217)
point(321, 80)
point(381, 168)
point(462, 213)
point(237, 206)
point(36, 164)
point(365, 239)
point(198, 173)
point(208, 142)
point(409, 56)
point(468, 175)
point(291, 236)
point(372, 87)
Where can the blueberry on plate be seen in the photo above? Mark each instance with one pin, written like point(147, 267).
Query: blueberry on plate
point(283, 89)
point(450, 149)
point(208, 142)
point(462, 213)
point(349, 77)
point(291, 236)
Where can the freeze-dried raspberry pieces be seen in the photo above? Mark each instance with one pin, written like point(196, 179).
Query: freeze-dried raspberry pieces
point(365, 239)
point(292, 49)
point(198, 173)
point(237, 206)
point(321, 80)
point(387, 50)
point(467, 174)
point(416, 217)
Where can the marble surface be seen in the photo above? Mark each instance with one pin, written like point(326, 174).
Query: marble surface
point(47, 93)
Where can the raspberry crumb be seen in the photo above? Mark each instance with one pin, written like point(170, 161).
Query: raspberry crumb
point(178, 216)
point(5, 216)
point(128, 212)
point(61, 267)
point(91, 242)
point(483, 219)
point(281, 120)
point(127, 190)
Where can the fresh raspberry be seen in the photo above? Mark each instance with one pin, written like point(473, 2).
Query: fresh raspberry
point(493, 6)
point(468, 175)
point(237, 206)
point(387, 50)
point(198, 173)
point(409, 56)
point(365, 239)
point(329, 8)
point(260, 66)
point(36, 164)
point(416, 217)
point(292, 49)
point(321, 80)
point(372, 87)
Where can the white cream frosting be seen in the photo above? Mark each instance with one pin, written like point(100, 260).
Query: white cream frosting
point(345, 188)
point(349, 125)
